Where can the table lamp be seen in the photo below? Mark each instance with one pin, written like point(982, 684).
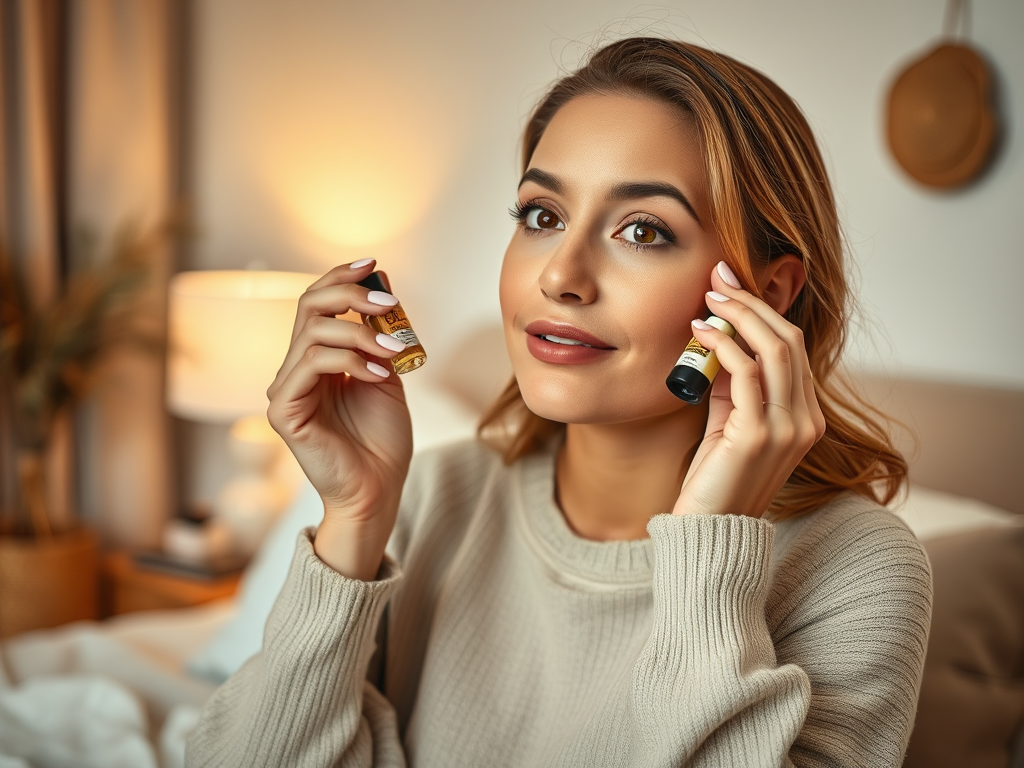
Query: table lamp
point(229, 332)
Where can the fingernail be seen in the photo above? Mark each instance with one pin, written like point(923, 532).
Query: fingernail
point(728, 275)
point(380, 370)
point(700, 325)
point(379, 297)
point(361, 263)
point(390, 342)
point(718, 296)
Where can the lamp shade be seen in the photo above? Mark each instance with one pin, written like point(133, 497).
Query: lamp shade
point(229, 332)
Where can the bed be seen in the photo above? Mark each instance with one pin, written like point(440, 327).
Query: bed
point(126, 691)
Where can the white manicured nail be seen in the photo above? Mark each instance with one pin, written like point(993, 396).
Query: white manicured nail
point(728, 275)
point(390, 342)
point(361, 263)
point(700, 325)
point(379, 297)
point(718, 296)
point(380, 370)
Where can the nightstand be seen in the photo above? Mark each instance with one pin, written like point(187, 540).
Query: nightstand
point(125, 587)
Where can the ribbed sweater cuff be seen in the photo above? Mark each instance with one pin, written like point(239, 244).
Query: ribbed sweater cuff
point(323, 616)
point(710, 577)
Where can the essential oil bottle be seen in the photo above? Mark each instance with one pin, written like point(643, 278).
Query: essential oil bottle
point(697, 367)
point(395, 324)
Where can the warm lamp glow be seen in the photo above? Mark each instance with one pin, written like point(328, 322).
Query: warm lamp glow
point(229, 332)
point(353, 192)
point(356, 178)
point(351, 208)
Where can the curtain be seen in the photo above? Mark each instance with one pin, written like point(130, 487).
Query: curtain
point(32, 176)
point(91, 97)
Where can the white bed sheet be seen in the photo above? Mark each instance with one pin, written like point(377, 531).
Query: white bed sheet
point(111, 693)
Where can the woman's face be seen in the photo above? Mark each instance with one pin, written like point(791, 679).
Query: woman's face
point(614, 239)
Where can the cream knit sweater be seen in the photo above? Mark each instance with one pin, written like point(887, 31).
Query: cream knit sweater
point(508, 640)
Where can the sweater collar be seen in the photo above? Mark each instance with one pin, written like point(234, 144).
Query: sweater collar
point(597, 564)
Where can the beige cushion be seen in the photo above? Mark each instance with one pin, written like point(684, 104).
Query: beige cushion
point(972, 697)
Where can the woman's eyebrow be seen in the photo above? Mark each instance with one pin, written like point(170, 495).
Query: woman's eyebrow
point(636, 189)
point(544, 179)
point(625, 191)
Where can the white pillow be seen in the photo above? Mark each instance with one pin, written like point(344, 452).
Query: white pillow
point(437, 418)
point(931, 513)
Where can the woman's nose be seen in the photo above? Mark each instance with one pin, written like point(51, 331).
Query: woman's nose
point(567, 276)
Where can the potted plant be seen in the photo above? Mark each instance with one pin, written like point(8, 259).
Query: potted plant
point(48, 361)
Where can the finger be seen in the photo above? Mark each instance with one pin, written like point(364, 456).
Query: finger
point(332, 300)
point(319, 361)
point(785, 330)
point(336, 300)
point(720, 403)
point(339, 334)
point(773, 352)
point(807, 414)
point(387, 284)
point(345, 273)
point(745, 374)
point(814, 407)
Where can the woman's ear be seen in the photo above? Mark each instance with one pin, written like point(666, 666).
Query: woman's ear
point(782, 281)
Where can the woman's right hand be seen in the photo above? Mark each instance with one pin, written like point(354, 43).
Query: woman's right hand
point(347, 425)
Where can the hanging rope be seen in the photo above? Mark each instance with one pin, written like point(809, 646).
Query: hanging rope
point(957, 20)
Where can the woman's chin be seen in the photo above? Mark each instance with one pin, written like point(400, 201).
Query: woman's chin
point(564, 405)
point(578, 408)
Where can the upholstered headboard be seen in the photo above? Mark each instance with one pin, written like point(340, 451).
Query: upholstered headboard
point(970, 439)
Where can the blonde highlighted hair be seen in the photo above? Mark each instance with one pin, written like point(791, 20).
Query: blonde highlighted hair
point(770, 196)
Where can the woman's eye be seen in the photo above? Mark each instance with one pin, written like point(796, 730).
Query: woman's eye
point(642, 234)
point(541, 218)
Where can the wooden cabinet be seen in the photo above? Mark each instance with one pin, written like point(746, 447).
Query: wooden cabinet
point(125, 587)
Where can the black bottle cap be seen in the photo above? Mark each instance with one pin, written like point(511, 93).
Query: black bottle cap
point(687, 384)
point(373, 282)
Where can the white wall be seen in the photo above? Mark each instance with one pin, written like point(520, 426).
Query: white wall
point(329, 131)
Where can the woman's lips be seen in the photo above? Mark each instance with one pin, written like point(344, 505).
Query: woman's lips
point(563, 354)
point(565, 331)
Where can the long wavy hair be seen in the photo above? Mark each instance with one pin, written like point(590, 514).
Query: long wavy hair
point(770, 196)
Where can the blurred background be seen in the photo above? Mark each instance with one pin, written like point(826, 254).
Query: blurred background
point(303, 135)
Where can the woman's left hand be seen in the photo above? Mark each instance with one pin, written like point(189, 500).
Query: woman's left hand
point(763, 415)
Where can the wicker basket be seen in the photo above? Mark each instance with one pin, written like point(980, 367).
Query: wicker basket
point(48, 581)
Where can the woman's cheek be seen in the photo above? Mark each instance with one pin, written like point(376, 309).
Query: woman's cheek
point(509, 285)
point(668, 332)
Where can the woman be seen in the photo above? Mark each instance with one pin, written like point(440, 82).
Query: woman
point(609, 576)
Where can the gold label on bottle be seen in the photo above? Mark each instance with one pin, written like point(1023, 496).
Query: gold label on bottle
point(695, 347)
point(396, 319)
point(699, 357)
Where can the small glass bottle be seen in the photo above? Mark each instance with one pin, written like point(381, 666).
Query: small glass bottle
point(697, 367)
point(394, 323)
